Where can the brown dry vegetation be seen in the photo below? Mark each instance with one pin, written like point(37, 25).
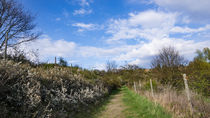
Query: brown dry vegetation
point(176, 101)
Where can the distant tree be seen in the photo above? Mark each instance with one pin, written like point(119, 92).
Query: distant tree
point(111, 66)
point(167, 64)
point(62, 62)
point(16, 25)
point(168, 57)
point(130, 67)
point(203, 55)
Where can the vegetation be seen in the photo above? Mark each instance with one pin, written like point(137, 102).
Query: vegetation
point(62, 62)
point(203, 55)
point(140, 107)
point(33, 89)
point(49, 89)
point(37, 92)
point(168, 65)
point(16, 25)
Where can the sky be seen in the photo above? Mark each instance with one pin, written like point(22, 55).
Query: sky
point(89, 33)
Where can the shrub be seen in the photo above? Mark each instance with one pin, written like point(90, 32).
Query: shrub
point(39, 92)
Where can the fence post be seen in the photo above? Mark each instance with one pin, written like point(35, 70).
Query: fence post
point(139, 85)
point(55, 60)
point(188, 93)
point(151, 88)
point(134, 84)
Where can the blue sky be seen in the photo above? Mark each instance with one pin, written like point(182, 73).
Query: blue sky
point(90, 32)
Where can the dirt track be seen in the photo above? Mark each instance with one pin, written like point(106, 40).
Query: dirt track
point(115, 108)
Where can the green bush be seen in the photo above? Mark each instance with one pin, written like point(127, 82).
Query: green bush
point(199, 76)
point(147, 86)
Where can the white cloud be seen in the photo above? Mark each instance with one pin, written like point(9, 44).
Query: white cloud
point(82, 12)
point(153, 28)
point(89, 51)
point(99, 66)
point(87, 27)
point(143, 53)
point(73, 61)
point(148, 24)
point(139, 54)
point(179, 29)
point(50, 48)
point(196, 9)
point(83, 2)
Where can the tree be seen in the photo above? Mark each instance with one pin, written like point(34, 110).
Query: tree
point(203, 55)
point(168, 57)
point(111, 66)
point(167, 64)
point(62, 62)
point(198, 71)
point(16, 25)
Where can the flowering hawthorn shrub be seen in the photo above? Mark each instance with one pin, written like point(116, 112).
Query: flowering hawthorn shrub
point(37, 92)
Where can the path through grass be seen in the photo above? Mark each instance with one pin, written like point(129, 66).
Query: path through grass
point(114, 108)
point(124, 103)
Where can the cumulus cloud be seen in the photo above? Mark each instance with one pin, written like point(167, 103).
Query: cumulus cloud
point(154, 29)
point(50, 48)
point(145, 24)
point(186, 48)
point(150, 29)
point(198, 10)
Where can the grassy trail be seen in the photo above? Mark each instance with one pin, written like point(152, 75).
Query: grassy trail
point(140, 107)
point(127, 104)
point(114, 108)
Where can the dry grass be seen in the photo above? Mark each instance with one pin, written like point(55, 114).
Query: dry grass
point(177, 103)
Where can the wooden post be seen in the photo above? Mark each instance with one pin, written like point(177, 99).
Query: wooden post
point(139, 85)
point(134, 84)
point(151, 88)
point(187, 93)
point(55, 61)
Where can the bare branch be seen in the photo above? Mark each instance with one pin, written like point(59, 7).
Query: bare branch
point(16, 25)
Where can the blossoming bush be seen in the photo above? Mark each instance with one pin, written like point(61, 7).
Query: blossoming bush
point(26, 91)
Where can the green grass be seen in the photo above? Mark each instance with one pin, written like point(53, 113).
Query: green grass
point(140, 107)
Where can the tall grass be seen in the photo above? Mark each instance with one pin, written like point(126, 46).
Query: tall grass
point(140, 107)
point(176, 101)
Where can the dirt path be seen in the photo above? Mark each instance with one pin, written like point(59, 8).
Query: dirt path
point(114, 108)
